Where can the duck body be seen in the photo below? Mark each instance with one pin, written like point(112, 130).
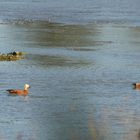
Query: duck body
point(23, 92)
point(18, 92)
point(136, 85)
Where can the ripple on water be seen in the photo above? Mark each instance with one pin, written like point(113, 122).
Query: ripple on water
point(61, 61)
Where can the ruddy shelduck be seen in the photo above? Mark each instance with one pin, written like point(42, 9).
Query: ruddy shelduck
point(23, 92)
point(136, 85)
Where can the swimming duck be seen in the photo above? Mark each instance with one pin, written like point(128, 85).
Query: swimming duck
point(23, 92)
point(136, 85)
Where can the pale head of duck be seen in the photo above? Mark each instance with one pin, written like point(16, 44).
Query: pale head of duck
point(26, 86)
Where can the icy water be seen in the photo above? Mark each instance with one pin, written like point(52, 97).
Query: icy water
point(81, 58)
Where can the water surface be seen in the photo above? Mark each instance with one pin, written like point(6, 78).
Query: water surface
point(81, 59)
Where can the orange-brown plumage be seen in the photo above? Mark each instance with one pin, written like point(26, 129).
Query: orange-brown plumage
point(23, 92)
point(136, 85)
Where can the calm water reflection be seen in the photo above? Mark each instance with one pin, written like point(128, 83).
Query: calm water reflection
point(81, 78)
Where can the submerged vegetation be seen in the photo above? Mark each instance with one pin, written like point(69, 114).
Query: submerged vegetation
point(12, 56)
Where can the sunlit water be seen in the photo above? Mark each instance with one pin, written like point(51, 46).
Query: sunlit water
point(80, 65)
